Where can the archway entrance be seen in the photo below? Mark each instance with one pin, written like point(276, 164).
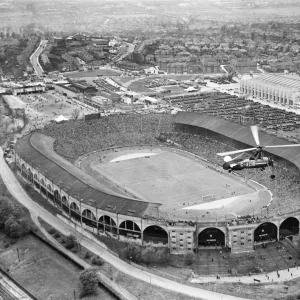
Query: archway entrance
point(65, 204)
point(57, 199)
point(130, 229)
point(288, 227)
point(211, 237)
point(30, 175)
point(75, 212)
point(265, 232)
point(106, 223)
point(155, 234)
point(89, 218)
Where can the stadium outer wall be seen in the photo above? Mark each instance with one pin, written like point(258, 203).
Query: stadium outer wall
point(180, 237)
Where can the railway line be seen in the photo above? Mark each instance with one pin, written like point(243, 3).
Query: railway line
point(9, 289)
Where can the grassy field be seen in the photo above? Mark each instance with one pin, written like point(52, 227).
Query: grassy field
point(139, 87)
point(167, 177)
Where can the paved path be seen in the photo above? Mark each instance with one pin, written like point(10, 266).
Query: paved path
point(36, 210)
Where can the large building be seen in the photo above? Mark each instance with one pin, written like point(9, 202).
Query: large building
point(278, 89)
point(91, 204)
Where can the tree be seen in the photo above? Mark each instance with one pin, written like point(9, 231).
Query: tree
point(12, 228)
point(75, 113)
point(189, 258)
point(7, 210)
point(70, 241)
point(88, 282)
point(133, 252)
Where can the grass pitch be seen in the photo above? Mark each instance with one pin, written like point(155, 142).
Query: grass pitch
point(174, 180)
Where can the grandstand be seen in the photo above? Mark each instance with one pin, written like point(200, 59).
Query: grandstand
point(101, 207)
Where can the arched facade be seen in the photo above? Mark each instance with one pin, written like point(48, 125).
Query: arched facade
point(57, 198)
point(211, 237)
point(146, 231)
point(107, 224)
point(155, 234)
point(89, 218)
point(30, 175)
point(65, 204)
point(129, 228)
point(288, 227)
point(266, 232)
point(75, 212)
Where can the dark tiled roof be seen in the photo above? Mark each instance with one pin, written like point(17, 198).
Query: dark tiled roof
point(75, 185)
point(240, 133)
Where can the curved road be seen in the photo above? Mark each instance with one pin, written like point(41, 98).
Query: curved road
point(34, 58)
point(21, 196)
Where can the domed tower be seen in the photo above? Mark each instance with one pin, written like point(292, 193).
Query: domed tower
point(247, 116)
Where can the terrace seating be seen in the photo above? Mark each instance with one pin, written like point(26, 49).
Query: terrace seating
point(284, 188)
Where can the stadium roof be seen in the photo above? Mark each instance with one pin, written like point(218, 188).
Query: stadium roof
point(286, 81)
point(239, 133)
point(73, 180)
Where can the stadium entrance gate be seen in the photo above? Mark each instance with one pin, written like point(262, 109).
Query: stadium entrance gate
point(288, 228)
point(211, 237)
point(155, 234)
point(265, 232)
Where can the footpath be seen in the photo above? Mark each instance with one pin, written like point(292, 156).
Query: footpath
point(36, 210)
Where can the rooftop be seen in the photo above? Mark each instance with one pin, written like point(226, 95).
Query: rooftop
point(282, 80)
point(239, 133)
point(37, 150)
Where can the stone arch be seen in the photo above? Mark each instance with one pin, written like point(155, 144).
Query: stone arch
point(75, 212)
point(89, 218)
point(265, 232)
point(30, 175)
point(50, 193)
point(49, 188)
point(57, 198)
point(155, 234)
point(130, 228)
point(43, 189)
point(106, 223)
point(211, 236)
point(36, 181)
point(288, 227)
point(65, 204)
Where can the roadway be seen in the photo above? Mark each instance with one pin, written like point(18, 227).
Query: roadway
point(35, 210)
point(34, 58)
point(129, 49)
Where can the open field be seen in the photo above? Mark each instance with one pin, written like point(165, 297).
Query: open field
point(139, 87)
point(43, 107)
point(176, 181)
point(95, 73)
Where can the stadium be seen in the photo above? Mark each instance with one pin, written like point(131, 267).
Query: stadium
point(155, 180)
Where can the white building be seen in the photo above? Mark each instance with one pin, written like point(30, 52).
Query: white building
point(278, 89)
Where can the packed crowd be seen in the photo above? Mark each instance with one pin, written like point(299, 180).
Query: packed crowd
point(76, 138)
point(285, 186)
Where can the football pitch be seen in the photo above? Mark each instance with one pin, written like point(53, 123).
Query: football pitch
point(174, 180)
